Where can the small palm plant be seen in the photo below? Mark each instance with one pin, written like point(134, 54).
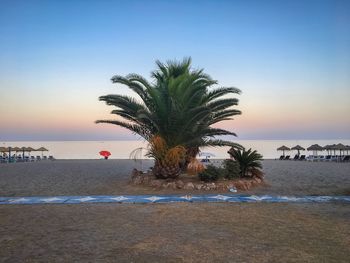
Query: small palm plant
point(249, 161)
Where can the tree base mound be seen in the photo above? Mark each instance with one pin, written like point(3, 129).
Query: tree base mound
point(190, 182)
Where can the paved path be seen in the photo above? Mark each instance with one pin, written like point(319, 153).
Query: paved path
point(169, 199)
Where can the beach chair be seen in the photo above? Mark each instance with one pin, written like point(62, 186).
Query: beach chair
point(51, 158)
point(32, 158)
point(334, 158)
point(44, 157)
point(327, 158)
point(302, 158)
point(281, 157)
point(38, 158)
point(346, 158)
point(296, 157)
point(287, 157)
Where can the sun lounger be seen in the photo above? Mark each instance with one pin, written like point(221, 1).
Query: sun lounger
point(51, 158)
point(287, 157)
point(310, 158)
point(334, 158)
point(346, 158)
point(296, 157)
point(302, 158)
point(38, 158)
point(281, 157)
point(328, 158)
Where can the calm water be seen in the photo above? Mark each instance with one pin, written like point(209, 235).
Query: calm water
point(122, 149)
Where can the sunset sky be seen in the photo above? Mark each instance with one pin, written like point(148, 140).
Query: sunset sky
point(291, 59)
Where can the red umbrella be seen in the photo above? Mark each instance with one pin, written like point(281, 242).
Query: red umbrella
point(105, 154)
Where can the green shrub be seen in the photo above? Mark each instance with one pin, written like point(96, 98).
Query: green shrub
point(231, 169)
point(247, 159)
point(211, 173)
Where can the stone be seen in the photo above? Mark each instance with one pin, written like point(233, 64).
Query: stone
point(257, 179)
point(156, 183)
point(248, 184)
point(180, 184)
point(212, 186)
point(189, 186)
point(239, 185)
point(221, 186)
point(137, 180)
point(172, 185)
point(198, 186)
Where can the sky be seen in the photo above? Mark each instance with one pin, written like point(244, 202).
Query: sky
point(291, 59)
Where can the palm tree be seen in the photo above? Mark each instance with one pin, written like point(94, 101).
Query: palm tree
point(248, 160)
point(179, 106)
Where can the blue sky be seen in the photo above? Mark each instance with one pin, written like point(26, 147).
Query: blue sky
point(291, 59)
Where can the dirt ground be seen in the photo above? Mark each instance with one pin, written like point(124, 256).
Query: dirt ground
point(175, 233)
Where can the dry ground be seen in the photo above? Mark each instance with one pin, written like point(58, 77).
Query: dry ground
point(175, 233)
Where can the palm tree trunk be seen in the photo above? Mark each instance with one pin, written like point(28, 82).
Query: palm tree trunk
point(162, 171)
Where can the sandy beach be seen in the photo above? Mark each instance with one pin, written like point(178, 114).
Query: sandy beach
point(171, 232)
point(111, 177)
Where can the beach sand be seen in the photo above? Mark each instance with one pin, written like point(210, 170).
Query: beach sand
point(178, 232)
point(111, 177)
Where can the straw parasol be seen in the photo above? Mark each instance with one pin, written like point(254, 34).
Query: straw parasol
point(283, 148)
point(329, 148)
point(3, 149)
point(16, 149)
point(315, 148)
point(347, 149)
point(298, 148)
point(341, 147)
point(26, 149)
point(42, 150)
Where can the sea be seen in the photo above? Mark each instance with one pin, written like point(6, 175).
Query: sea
point(123, 149)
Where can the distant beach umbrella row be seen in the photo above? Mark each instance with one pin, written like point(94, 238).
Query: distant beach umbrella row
point(315, 148)
point(22, 149)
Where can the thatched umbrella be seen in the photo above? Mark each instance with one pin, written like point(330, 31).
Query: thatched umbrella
point(347, 149)
point(315, 148)
point(3, 150)
point(340, 147)
point(26, 149)
point(283, 148)
point(298, 148)
point(14, 149)
point(42, 150)
point(329, 148)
